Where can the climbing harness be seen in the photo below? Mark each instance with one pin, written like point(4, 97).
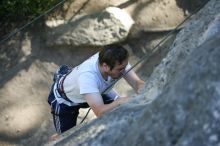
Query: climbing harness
point(59, 78)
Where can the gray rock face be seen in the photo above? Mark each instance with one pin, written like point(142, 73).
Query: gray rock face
point(187, 112)
point(213, 29)
point(109, 26)
point(194, 34)
point(185, 94)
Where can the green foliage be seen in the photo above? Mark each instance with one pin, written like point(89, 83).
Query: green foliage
point(17, 10)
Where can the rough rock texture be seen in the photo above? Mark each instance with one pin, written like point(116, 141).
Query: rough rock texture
point(109, 26)
point(185, 94)
point(146, 13)
point(187, 40)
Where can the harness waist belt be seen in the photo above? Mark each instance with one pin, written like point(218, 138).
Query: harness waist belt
point(60, 88)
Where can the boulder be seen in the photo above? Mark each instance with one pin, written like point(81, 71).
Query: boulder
point(98, 29)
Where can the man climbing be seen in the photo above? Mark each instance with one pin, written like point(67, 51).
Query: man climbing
point(90, 85)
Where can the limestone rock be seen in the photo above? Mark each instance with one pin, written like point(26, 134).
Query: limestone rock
point(109, 26)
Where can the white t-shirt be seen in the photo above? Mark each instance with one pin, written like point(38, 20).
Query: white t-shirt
point(87, 78)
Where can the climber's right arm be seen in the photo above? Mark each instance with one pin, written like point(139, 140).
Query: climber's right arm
point(96, 103)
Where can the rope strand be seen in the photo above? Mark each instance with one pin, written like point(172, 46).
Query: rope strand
point(85, 116)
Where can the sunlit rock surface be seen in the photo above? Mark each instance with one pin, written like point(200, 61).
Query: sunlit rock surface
point(98, 29)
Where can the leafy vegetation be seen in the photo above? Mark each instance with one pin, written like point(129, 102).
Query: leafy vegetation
point(17, 10)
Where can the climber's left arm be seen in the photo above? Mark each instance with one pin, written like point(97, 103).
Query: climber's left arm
point(134, 81)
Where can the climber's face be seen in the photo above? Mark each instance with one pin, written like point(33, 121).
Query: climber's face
point(118, 70)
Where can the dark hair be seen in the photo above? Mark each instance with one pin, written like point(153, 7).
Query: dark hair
point(111, 54)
